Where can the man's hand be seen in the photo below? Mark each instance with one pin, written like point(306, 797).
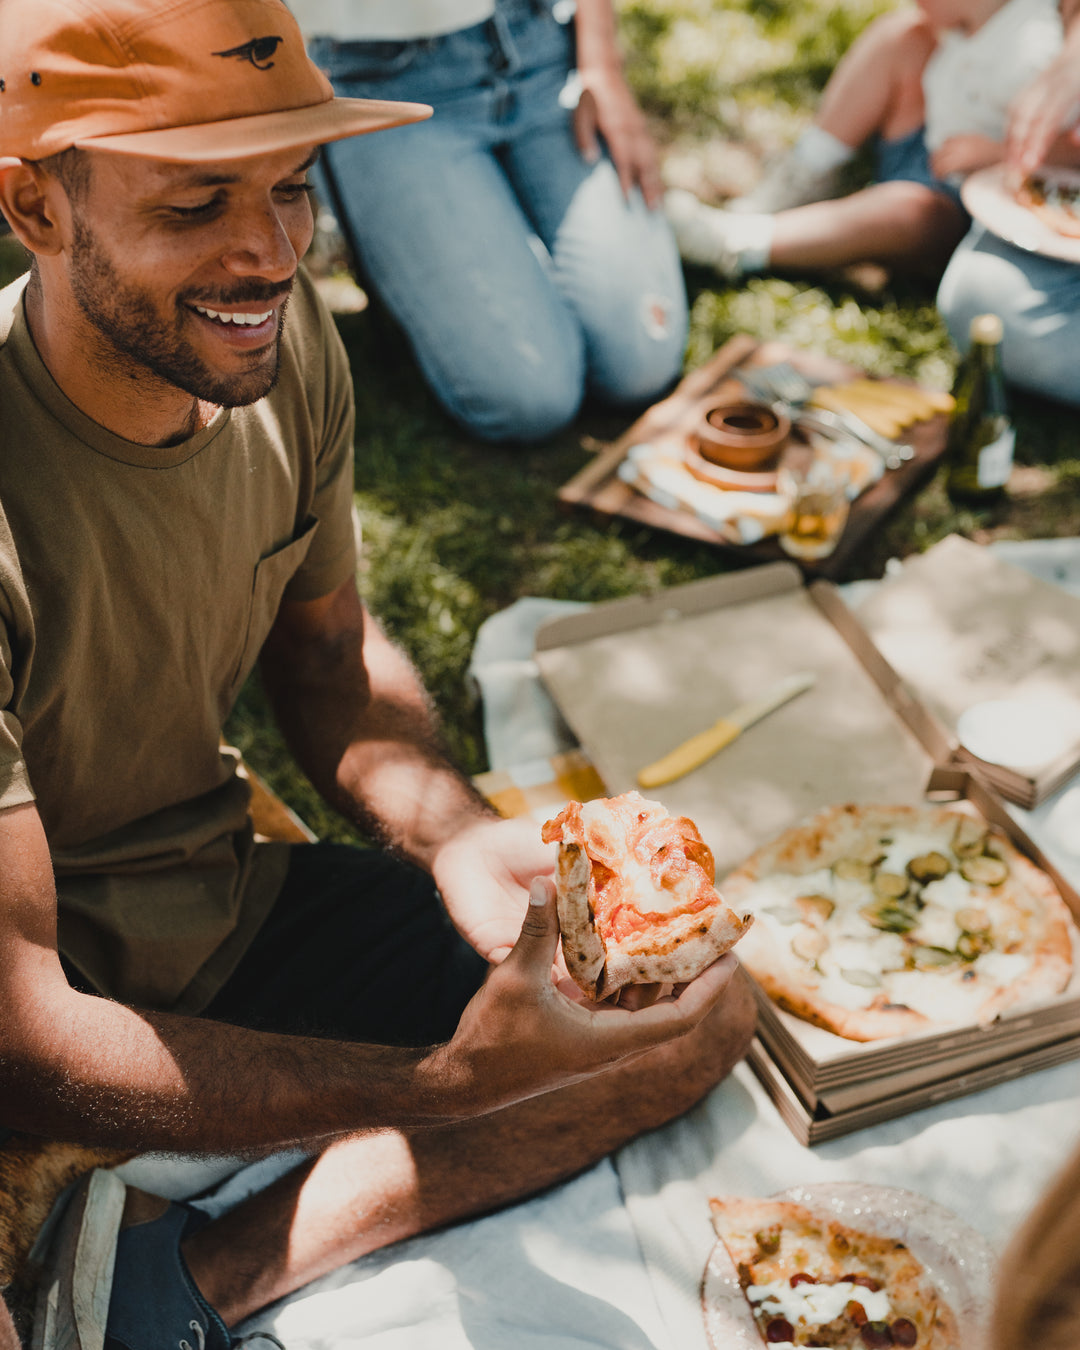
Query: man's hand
point(965, 153)
point(520, 1036)
point(483, 874)
point(607, 108)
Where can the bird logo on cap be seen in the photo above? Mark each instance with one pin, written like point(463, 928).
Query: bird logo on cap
point(258, 51)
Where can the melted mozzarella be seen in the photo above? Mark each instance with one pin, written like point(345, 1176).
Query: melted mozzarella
point(950, 892)
point(778, 890)
point(817, 1304)
point(908, 844)
point(942, 995)
point(875, 955)
point(602, 826)
point(1001, 968)
point(639, 890)
point(937, 928)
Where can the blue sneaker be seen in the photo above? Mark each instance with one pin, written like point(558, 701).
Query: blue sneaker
point(155, 1304)
point(105, 1287)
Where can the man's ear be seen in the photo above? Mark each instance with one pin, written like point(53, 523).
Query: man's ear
point(35, 204)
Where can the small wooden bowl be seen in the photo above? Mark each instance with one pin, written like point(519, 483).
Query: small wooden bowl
point(747, 437)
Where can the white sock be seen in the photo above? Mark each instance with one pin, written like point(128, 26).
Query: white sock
point(820, 150)
point(750, 236)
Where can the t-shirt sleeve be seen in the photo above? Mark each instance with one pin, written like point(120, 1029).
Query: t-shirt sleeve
point(331, 559)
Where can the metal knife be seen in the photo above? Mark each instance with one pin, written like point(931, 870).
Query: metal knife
point(706, 743)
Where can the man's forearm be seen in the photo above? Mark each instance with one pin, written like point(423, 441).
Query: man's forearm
point(93, 1070)
point(360, 724)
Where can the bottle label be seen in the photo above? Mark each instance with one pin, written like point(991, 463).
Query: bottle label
point(995, 460)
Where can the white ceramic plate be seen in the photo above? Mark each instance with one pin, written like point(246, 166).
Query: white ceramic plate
point(957, 1259)
point(992, 204)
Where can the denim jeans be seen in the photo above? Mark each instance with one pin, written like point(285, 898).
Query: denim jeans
point(1038, 300)
point(520, 273)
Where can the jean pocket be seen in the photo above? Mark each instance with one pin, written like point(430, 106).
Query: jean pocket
point(366, 62)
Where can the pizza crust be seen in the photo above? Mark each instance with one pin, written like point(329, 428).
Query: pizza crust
point(691, 925)
point(887, 989)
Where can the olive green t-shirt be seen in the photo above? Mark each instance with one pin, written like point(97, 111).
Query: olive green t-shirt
point(137, 586)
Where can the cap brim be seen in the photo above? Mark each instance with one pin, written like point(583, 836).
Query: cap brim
point(239, 137)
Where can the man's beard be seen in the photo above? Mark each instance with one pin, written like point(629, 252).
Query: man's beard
point(126, 316)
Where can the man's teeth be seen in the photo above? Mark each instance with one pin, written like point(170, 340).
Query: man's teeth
point(248, 320)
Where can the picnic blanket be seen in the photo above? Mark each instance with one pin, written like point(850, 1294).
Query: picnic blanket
point(613, 1259)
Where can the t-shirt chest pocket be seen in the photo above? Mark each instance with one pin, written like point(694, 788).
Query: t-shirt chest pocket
point(272, 574)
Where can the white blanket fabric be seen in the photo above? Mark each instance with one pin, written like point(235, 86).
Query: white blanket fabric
point(613, 1259)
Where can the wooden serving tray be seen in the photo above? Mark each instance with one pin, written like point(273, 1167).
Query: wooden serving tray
point(598, 487)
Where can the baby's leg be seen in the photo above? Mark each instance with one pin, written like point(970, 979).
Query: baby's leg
point(876, 89)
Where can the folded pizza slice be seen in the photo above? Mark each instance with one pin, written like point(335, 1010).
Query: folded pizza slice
point(811, 1280)
point(636, 899)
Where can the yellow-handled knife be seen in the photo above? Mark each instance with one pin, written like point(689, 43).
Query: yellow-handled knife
point(706, 743)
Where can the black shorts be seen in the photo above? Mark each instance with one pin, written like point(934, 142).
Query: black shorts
point(357, 947)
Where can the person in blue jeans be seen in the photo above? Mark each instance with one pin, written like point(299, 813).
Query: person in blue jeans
point(1037, 297)
point(516, 236)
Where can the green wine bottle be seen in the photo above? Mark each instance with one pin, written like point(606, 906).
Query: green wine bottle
point(979, 450)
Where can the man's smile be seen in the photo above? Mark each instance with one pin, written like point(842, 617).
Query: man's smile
point(245, 320)
point(247, 324)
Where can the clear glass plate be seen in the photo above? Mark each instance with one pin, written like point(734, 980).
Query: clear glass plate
point(957, 1259)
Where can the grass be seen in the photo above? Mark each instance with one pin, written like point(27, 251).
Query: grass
point(456, 531)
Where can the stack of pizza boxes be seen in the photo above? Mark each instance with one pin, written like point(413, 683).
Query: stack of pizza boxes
point(962, 629)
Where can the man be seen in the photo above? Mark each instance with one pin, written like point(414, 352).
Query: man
point(175, 479)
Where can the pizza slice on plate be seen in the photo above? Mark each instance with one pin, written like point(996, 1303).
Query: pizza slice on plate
point(1053, 195)
point(636, 899)
point(811, 1280)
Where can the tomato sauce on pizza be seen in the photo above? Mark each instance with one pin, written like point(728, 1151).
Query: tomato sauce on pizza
point(637, 900)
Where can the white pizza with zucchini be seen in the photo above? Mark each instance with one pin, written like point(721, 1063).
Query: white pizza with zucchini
point(875, 921)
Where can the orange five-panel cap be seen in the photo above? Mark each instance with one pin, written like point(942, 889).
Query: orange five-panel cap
point(182, 80)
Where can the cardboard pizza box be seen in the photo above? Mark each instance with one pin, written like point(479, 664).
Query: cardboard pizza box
point(817, 1125)
point(993, 653)
point(635, 677)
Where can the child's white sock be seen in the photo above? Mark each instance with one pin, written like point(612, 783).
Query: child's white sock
point(749, 237)
point(820, 150)
point(711, 237)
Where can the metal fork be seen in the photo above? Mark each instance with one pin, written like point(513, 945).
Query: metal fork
point(788, 391)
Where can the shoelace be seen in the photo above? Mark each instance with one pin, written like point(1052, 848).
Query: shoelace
point(200, 1336)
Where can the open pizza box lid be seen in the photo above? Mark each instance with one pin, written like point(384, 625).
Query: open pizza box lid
point(993, 653)
point(635, 677)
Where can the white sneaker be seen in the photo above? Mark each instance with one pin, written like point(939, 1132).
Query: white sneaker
point(787, 183)
point(700, 232)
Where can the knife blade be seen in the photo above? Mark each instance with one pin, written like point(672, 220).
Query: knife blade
point(695, 751)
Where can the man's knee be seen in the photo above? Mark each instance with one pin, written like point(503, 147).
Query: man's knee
point(699, 1061)
point(724, 1036)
